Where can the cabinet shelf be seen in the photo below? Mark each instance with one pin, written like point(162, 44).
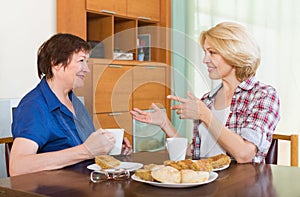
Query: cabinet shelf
point(123, 35)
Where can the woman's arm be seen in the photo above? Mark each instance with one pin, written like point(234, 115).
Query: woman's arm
point(242, 150)
point(24, 158)
point(193, 108)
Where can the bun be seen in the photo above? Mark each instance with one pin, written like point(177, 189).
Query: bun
point(198, 165)
point(144, 174)
point(152, 167)
point(106, 161)
point(166, 174)
point(191, 176)
point(202, 165)
point(220, 160)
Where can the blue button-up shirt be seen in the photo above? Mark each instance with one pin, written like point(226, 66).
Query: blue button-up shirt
point(42, 118)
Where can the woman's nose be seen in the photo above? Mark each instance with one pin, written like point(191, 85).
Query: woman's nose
point(206, 58)
point(86, 68)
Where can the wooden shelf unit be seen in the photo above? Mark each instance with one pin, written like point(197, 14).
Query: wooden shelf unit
point(114, 87)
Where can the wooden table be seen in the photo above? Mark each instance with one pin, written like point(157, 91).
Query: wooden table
point(237, 180)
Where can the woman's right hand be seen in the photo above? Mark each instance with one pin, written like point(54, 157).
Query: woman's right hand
point(99, 142)
point(157, 117)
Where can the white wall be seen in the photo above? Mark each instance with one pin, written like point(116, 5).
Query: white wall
point(25, 25)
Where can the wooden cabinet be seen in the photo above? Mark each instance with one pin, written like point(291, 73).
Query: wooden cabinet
point(117, 29)
point(114, 87)
point(141, 9)
point(149, 85)
point(71, 20)
point(144, 9)
point(111, 7)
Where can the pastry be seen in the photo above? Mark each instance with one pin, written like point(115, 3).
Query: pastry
point(166, 174)
point(144, 174)
point(220, 160)
point(191, 176)
point(106, 161)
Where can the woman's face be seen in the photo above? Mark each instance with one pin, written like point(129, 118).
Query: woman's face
point(217, 66)
point(74, 73)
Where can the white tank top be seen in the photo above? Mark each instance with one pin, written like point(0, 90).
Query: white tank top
point(209, 146)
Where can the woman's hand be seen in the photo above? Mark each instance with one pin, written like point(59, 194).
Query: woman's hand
point(157, 117)
point(99, 142)
point(191, 108)
point(126, 147)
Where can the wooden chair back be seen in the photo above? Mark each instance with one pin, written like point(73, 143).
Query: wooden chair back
point(272, 155)
point(7, 141)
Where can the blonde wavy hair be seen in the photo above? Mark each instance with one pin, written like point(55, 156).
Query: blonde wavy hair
point(236, 45)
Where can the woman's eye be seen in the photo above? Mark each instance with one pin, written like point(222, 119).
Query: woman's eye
point(212, 52)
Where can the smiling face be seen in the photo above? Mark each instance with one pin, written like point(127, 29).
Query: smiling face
point(218, 68)
point(77, 69)
point(72, 76)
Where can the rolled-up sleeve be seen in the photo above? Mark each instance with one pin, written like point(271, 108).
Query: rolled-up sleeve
point(261, 121)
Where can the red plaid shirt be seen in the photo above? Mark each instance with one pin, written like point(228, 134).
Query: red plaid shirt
point(254, 114)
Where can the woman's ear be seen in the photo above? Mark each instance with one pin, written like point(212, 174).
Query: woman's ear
point(57, 67)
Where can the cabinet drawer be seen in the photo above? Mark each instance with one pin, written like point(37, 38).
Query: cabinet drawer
point(115, 120)
point(149, 86)
point(112, 88)
point(144, 9)
point(111, 7)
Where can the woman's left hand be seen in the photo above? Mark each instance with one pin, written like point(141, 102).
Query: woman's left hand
point(126, 147)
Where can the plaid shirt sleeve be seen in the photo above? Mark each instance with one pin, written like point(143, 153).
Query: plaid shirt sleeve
point(254, 115)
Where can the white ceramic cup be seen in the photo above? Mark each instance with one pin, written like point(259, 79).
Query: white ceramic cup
point(177, 148)
point(118, 135)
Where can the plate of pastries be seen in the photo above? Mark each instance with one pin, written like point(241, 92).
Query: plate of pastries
point(183, 173)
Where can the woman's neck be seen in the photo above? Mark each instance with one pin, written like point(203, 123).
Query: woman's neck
point(225, 94)
point(61, 93)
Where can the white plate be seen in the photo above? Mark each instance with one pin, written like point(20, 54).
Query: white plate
point(212, 177)
point(222, 168)
point(131, 166)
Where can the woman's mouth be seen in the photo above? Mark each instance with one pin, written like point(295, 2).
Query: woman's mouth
point(210, 68)
point(81, 76)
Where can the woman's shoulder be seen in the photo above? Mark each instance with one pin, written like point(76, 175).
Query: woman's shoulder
point(257, 87)
point(264, 93)
point(268, 89)
point(33, 100)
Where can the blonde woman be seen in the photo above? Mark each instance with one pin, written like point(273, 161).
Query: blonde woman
point(240, 115)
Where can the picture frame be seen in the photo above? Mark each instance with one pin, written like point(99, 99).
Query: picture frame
point(144, 52)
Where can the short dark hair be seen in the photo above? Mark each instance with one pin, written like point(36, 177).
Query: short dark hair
point(59, 49)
